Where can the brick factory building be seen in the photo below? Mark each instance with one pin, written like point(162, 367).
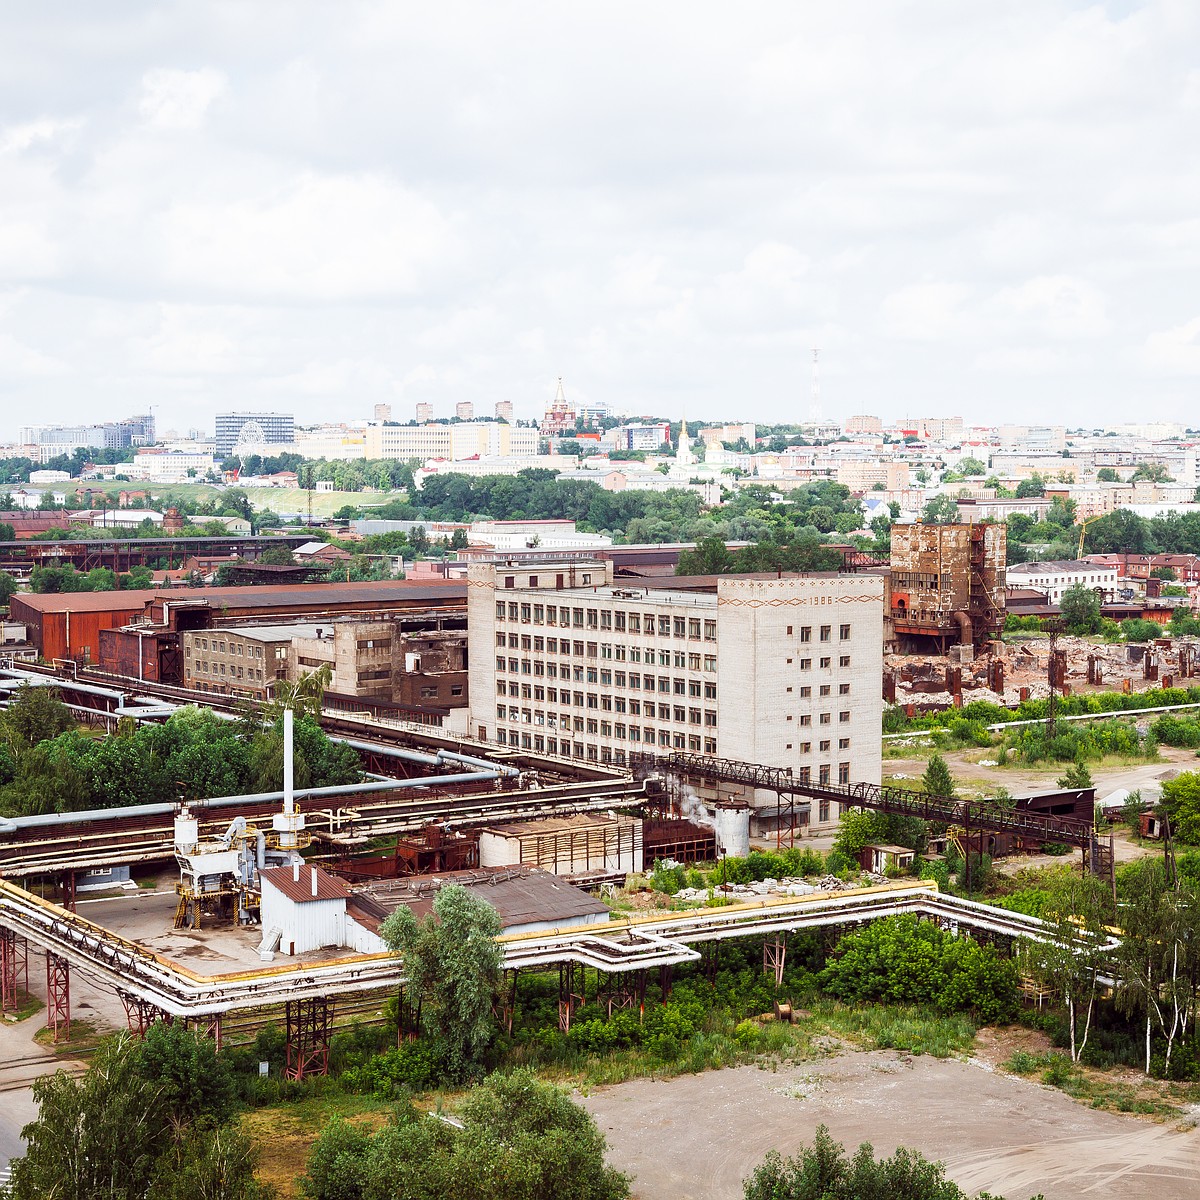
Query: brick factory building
point(70, 625)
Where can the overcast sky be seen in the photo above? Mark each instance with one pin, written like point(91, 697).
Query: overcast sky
point(990, 210)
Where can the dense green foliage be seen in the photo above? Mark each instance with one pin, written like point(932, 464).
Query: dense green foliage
point(54, 767)
point(905, 961)
point(519, 1139)
point(148, 1121)
point(1080, 608)
point(822, 1171)
point(452, 962)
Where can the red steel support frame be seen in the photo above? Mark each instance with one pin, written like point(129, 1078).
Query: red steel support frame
point(308, 1025)
point(58, 997)
point(140, 1014)
point(207, 1026)
point(14, 970)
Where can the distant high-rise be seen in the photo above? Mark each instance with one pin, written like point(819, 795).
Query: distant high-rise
point(424, 413)
point(383, 412)
point(504, 410)
point(464, 410)
point(253, 429)
point(863, 424)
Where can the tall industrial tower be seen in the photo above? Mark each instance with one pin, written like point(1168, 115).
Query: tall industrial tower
point(814, 412)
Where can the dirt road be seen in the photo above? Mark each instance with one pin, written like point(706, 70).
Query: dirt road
point(697, 1137)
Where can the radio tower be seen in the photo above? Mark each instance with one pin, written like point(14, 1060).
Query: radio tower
point(814, 413)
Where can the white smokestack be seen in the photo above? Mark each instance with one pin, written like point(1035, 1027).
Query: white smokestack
point(296, 872)
point(314, 882)
point(289, 797)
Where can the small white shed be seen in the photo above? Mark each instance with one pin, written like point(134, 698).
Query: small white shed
point(307, 906)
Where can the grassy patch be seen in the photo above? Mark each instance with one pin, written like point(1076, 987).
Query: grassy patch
point(1098, 1089)
point(84, 1038)
point(914, 1030)
point(284, 1134)
point(26, 1007)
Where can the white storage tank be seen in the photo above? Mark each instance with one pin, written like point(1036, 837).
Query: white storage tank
point(187, 832)
point(732, 824)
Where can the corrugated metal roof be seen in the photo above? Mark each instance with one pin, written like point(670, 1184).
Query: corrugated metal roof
point(283, 879)
point(520, 895)
point(261, 596)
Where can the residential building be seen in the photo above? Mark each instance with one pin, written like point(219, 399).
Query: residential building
point(252, 431)
point(162, 466)
point(742, 431)
point(639, 437)
point(1055, 577)
point(465, 440)
point(862, 424)
point(504, 411)
point(863, 475)
point(424, 413)
point(784, 671)
point(464, 410)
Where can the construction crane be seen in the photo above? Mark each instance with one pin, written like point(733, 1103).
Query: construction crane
point(1083, 530)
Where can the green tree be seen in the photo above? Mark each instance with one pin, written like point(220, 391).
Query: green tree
point(35, 715)
point(1035, 485)
point(520, 1139)
point(1107, 475)
point(1077, 775)
point(1071, 960)
point(971, 466)
point(823, 1171)
point(8, 587)
point(452, 961)
point(1181, 804)
point(122, 1132)
point(1080, 608)
point(937, 780)
point(1150, 473)
point(278, 556)
point(941, 510)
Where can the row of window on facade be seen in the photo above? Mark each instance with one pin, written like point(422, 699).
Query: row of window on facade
point(236, 648)
point(610, 754)
point(683, 660)
point(694, 628)
point(236, 671)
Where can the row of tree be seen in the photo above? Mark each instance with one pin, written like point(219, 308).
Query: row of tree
point(49, 765)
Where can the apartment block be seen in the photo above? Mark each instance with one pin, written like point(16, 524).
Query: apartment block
point(783, 671)
point(467, 439)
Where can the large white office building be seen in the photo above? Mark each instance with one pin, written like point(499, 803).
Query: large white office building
point(782, 671)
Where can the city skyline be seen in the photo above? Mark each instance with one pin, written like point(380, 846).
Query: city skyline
point(968, 211)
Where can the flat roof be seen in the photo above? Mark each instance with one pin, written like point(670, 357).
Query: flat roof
point(550, 825)
point(267, 633)
point(253, 596)
point(520, 895)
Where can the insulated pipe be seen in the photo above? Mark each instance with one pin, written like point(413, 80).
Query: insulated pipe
point(481, 763)
point(13, 824)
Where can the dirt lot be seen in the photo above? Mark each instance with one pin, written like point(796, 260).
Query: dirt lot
point(698, 1136)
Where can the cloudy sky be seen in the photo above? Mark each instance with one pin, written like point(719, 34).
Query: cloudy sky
point(984, 209)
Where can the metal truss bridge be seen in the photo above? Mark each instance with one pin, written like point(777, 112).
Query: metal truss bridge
point(973, 817)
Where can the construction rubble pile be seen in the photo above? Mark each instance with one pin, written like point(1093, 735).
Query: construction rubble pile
point(1010, 673)
point(740, 892)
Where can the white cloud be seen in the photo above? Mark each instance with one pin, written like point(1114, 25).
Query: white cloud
point(1060, 306)
point(968, 207)
point(1175, 351)
point(926, 312)
point(173, 99)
